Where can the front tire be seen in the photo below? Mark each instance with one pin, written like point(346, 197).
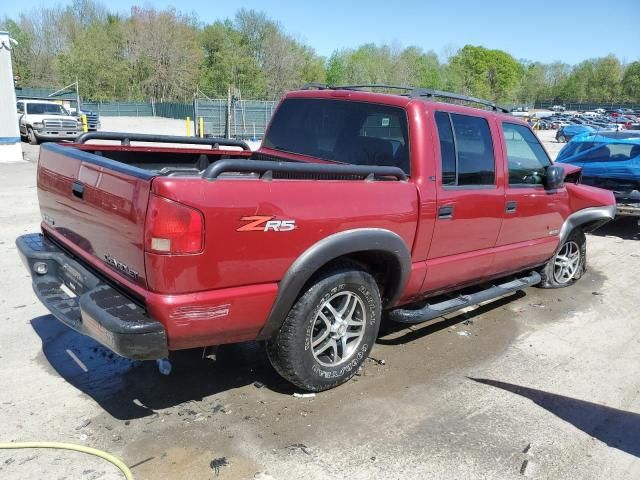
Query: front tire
point(569, 263)
point(33, 140)
point(330, 330)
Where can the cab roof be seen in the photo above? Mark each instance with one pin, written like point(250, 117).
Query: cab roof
point(378, 93)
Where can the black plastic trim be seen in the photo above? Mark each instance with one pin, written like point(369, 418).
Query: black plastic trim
point(97, 309)
point(127, 138)
point(431, 311)
point(598, 216)
point(331, 248)
point(326, 169)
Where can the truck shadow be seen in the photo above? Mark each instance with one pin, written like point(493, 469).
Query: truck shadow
point(129, 389)
point(616, 428)
point(626, 228)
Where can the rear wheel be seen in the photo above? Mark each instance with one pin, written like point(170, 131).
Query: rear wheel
point(568, 264)
point(329, 332)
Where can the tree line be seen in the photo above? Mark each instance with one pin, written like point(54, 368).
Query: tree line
point(166, 55)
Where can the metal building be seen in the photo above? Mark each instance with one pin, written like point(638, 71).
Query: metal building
point(10, 148)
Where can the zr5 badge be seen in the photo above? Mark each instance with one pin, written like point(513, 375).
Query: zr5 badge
point(266, 223)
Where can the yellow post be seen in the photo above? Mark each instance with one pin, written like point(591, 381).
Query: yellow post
point(85, 127)
point(188, 126)
point(201, 129)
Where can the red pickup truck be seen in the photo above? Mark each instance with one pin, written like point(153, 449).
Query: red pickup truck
point(358, 206)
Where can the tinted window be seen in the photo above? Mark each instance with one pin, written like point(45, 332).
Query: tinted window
point(466, 150)
point(474, 147)
point(341, 131)
point(527, 159)
point(20, 107)
point(447, 149)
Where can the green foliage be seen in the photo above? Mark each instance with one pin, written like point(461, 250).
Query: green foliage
point(166, 55)
point(631, 82)
point(491, 74)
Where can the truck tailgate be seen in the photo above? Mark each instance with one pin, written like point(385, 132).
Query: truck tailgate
point(97, 204)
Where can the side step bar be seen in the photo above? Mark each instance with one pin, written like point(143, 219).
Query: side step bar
point(431, 311)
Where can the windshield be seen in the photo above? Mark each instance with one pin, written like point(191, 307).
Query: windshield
point(46, 109)
point(341, 131)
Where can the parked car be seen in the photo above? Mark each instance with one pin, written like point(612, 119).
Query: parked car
point(357, 206)
point(93, 119)
point(610, 161)
point(567, 132)
point(40, 120)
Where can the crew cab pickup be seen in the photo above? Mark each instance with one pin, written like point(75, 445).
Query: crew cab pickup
point(359, 206)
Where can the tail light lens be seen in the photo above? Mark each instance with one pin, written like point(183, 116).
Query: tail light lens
point(173, 227)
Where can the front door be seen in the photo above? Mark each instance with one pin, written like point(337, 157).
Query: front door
point(533, 216)
point(470, 202)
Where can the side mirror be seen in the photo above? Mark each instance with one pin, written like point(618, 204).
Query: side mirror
point(554, 177)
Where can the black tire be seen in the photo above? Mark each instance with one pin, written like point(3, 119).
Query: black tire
point(33, 140)
point(291, 350)
point(551, 273)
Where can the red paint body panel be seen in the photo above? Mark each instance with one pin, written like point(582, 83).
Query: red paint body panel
point(233, 258)
point(108, 220)
point(226, 292)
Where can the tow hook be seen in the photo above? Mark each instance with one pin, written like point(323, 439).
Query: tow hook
point(164, 366)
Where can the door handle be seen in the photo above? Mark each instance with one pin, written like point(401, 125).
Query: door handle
point(445, 212)
point(77, 188)
point(511, 207)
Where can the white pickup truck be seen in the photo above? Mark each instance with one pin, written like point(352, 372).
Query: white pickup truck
point(40, 120)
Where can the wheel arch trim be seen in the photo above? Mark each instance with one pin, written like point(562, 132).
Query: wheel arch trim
point(595, 215)
point(331, 248)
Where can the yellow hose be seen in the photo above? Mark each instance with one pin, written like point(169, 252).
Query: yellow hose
point(76, 448)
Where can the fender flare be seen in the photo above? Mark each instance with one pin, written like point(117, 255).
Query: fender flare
point(331, 248)
point(596, 216)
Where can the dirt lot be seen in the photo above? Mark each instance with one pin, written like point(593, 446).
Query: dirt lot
point(541, 384)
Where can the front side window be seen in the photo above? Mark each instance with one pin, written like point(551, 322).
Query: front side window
point(526, 158)
point(341, 131)
point(466, 150)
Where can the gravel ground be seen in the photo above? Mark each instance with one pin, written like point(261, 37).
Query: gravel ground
point(542, 384)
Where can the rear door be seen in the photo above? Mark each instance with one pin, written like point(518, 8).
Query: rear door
point(533, 216)
point(95, 205)
point(470, 201)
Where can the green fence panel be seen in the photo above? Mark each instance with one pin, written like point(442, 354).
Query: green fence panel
point(174, 110)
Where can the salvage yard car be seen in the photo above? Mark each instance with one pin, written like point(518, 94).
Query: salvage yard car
point(40, 120)
point(611, 161)
point(358, 206)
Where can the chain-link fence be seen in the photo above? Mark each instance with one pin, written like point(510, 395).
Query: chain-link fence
point(243, 119)
point(232, 117)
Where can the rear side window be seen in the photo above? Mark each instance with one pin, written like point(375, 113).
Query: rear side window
point(341, 131)
point(20, 107)
point(526, 157)
point(466, 150)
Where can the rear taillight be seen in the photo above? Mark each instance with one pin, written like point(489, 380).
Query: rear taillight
point(173, 227)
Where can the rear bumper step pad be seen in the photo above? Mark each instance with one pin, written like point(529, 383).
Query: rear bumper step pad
point(434, 310)
point(84, 302)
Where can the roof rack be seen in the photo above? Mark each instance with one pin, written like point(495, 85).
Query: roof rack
point(412, 92)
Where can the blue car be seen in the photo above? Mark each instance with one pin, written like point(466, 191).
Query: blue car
point(567, 132)
point(609, 160)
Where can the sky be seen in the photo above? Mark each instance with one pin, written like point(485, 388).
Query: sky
point(538, 30)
